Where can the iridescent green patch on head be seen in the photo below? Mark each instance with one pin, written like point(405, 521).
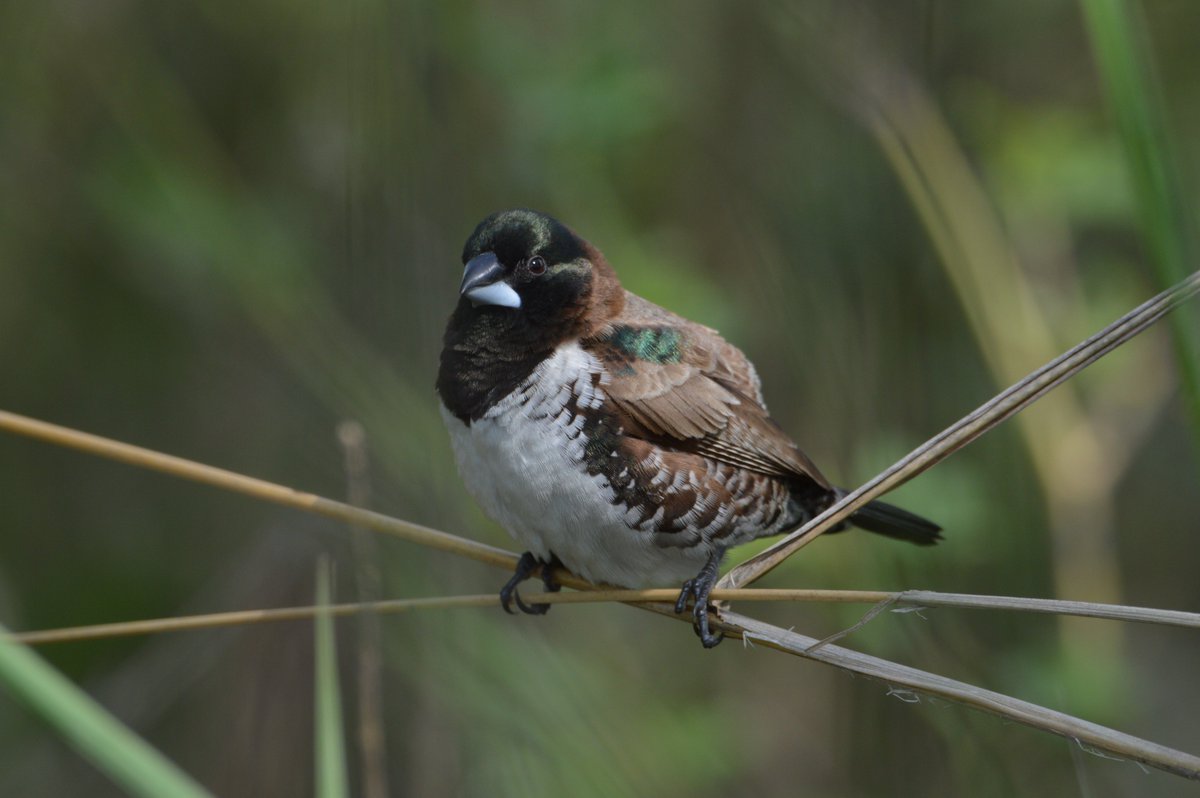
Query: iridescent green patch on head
point(518, 234)
point(652, 344)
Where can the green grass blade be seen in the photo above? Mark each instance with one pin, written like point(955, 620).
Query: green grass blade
point(1119, 43)
point(329, 741)
point(126, 758)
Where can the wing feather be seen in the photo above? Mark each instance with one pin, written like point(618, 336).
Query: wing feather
point(681, 386)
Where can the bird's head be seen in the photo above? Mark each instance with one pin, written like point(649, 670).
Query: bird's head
point(528, 265)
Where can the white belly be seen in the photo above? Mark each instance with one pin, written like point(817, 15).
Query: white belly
point(525, 469)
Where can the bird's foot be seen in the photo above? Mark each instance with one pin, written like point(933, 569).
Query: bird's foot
point(525, 568)
point(697, 590)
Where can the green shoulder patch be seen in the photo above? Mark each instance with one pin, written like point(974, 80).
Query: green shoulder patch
point(652, 344)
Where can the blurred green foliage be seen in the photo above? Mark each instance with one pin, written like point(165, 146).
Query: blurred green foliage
point(92, 732)
point(328, 728)
point(228, 227)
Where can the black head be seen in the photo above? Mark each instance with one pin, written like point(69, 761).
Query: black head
point(526, 263)
point(528, 285)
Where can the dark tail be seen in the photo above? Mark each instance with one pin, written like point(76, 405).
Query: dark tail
point(887, 519)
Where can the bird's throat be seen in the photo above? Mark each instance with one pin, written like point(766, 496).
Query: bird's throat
point(487, 354)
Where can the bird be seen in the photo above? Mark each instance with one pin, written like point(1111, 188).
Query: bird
point(610, 436)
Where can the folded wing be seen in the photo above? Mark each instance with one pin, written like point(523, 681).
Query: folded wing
point(681, 386)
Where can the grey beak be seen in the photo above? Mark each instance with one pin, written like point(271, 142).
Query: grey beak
point(483, 282)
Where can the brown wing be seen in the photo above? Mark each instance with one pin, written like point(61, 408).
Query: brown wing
point(682, 386)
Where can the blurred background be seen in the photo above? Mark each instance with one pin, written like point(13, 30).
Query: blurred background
point(229, 228)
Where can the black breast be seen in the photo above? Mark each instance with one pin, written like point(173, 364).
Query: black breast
point(486, 355)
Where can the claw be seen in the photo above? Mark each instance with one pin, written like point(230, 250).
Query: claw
point(685, 594)
point(530, 609)
point(525, 568)
point(700, 625)
point(698, 589)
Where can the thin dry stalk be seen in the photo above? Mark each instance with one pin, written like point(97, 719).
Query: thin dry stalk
point(912, 681)
point(256, 488)
point(911, 599)
point(372, 738)
point(1004, 406)
point(218, 620)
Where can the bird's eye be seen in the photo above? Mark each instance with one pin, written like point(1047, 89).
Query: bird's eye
point(537, 265)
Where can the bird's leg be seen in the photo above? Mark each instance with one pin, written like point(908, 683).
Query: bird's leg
point(699, 588)
point(525, 568)
point(551, 584)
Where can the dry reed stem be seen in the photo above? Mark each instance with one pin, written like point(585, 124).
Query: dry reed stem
point(881, 599)
point(1006, 404)
point(255, 488)
point(735, 625)
point(1083, 732)
point(370, 729)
